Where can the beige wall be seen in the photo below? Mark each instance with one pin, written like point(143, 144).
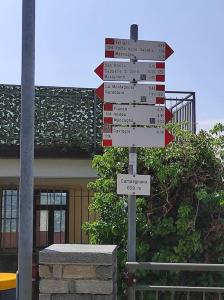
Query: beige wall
point(70, 174)
point(50, 168)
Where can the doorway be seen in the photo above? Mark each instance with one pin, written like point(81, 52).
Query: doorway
point(50, 217)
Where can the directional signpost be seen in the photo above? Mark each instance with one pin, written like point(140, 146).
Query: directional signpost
point(137, 49)
point(132, 113)
point(118, 114)
point(129, 71)
point(131, 93)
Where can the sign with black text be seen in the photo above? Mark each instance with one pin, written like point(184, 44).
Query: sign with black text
point(117, 92)
point(133, 184)
point(129, 71)
point(132, 49)
point(121, 136)
point(128, 114)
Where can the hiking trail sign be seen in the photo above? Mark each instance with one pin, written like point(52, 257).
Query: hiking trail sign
point(119, 114)
point(121, 136)
point(131, 114)
point(137, 49)
point(116, 92)
point(130, 71)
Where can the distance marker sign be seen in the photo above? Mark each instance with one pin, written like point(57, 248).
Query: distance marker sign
point(133, 185)
point(121, 136)
point(132, 49)
point(129, 71)
point(119, 114)
point(115, 92)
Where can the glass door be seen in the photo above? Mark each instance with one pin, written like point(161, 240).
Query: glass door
point(51, 218)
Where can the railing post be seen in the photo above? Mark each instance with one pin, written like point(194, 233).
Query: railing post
point(188, 296)
point(194, 113)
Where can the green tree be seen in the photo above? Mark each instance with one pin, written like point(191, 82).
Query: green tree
point(183, 218)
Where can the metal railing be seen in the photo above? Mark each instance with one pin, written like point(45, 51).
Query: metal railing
point(133, 287)
point(183, 106)
point(51, 216)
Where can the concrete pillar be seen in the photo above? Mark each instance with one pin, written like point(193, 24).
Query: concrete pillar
point(82, 272)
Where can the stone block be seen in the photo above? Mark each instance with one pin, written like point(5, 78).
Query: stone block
point(104, 272)
point(78, 253)
point(91, 287)
point(45, 297)
point(50, 286)
point(57, 271)
point(79, 271)
point(103, 297)
point(45, 271)
point(72, 297)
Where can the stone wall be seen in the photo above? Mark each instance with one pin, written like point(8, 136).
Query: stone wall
point(78, 272)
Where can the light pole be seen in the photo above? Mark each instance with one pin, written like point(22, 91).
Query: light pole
point(25, 251)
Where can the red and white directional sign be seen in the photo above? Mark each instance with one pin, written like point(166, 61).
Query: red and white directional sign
point(114, 92)
point(132, 49)
point(135, 136)
point(133, 185)
point(119, 114)
point(129, 71)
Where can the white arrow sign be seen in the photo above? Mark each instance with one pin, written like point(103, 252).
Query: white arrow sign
point(118, 114)
point(135, 136)
point(114, 92)
point(129, 71)
point(133, 185)
point(132, 49)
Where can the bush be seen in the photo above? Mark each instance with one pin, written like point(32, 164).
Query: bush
point(183, 218)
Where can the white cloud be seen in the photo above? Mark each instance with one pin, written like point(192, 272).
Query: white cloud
point(208, 124)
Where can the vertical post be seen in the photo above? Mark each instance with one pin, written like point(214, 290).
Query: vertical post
point(132, 198)
point(194, 114)
point(26, 152)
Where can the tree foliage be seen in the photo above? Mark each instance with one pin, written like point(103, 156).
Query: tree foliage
point(183, 218)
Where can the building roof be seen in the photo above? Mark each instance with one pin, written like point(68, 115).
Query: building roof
point(67, 121)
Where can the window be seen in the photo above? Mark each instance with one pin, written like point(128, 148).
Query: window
point(50, 217)
point(9, 218)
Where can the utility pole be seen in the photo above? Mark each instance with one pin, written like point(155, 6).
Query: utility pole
point(25, 251)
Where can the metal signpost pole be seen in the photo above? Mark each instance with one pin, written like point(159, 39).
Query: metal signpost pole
point(132, 198)
point(26, 152)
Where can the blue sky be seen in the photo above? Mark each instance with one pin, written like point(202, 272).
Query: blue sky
point(70, 43)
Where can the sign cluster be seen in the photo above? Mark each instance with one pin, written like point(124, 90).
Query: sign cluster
point(132, 112)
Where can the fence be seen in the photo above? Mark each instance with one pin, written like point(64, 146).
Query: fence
point(58, 216)
point(183, 107)
point(132, 267)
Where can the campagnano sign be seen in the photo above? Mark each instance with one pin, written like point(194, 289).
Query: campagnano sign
point(133, 184)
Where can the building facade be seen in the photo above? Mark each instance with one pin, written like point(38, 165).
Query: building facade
point(68, 124)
